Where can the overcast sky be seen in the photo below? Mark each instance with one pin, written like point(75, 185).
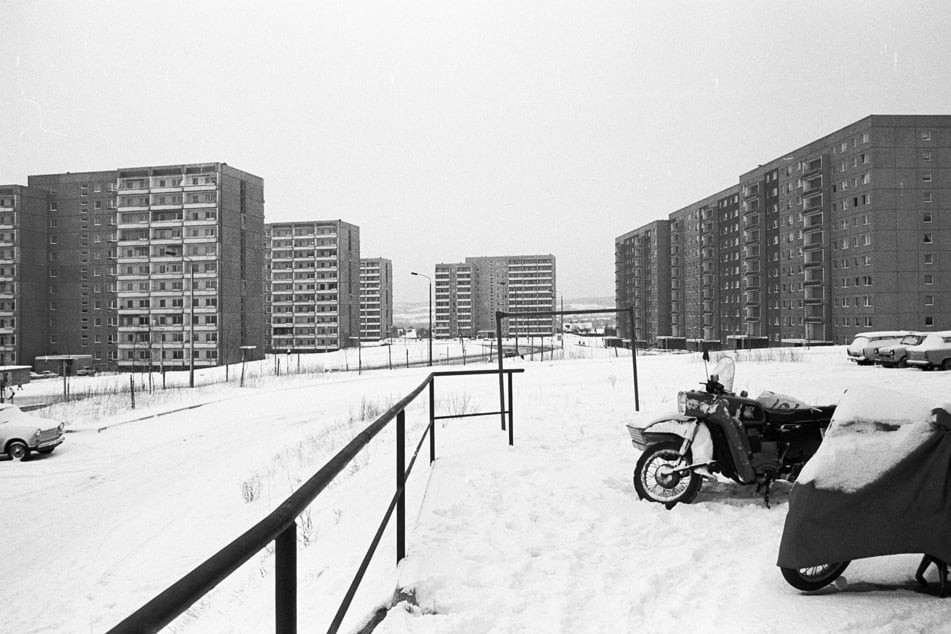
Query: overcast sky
point(449, 129)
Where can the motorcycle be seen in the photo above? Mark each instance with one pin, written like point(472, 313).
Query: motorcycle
point(878, 485)
point(750, 441)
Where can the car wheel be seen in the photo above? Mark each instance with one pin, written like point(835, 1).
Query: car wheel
point(946, 364)
point(902, 363)
point(17, 450)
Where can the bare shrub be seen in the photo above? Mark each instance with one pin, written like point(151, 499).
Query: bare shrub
point(459, 404)
point(251, 488)
point(307, 529)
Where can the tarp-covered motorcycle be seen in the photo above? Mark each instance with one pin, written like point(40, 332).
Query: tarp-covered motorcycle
point(879, 485)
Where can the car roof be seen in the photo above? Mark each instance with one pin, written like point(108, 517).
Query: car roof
point(883, 333)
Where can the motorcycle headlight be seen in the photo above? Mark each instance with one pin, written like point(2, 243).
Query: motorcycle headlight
point(681, 402)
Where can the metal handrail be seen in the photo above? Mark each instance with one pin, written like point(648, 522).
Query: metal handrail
point(280, 526)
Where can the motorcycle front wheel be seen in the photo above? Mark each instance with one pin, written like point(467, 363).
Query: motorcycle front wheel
point(815, 577)
point(655, 481)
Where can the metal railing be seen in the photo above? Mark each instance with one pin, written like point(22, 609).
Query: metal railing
point(280, 526)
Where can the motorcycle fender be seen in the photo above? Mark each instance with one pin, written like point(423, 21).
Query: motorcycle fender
point(684, 426)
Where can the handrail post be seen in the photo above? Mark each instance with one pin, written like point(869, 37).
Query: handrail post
point(432, 419)
point(637, 398)
point(498, 336)
point(400, 480)
point(511, 413)
point(285, 581)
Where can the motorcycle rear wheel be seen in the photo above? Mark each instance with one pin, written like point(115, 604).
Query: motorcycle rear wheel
point(815, 577)
point(654, 482)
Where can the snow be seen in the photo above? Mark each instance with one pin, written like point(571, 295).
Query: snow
point(547, 535)
point(873, 428)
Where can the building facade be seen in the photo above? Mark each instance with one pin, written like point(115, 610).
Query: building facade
point(453, 301)
point(149, 266)
point(312, 302)
point(642, 280)
point(24, 281)
point(850, 232)
point(376, 298)
point(468, 295)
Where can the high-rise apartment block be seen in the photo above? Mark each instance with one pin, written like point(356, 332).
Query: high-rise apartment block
point(468, 294)
point(312, 302)
point(376, 298)
point(850, 232)
point(23, 273)
point(140, 267)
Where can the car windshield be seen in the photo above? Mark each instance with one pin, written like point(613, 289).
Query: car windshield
point(912, 340)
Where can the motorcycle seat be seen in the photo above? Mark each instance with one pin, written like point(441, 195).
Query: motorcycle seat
point(818, 414)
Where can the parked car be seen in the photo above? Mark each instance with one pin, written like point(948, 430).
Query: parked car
point(22, 433)
point(861, 350)
point(90, 371)
point(45, 374)
point(896, 356)
point(933, 352)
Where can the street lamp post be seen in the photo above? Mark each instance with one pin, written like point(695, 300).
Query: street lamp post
point(430, 313)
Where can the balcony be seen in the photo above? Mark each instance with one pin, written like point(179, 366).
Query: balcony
point(812, 258)
point(813, 276)
point(812, 167)
point(813, 312)
point(812, 185)
point(812, 204)
point(812, 222)
point(134, 185)
point(813, 294)
point(812, 240)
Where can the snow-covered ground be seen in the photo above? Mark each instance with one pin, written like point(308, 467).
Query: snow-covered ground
point(547, 535)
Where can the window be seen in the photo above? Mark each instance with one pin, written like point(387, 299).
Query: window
point(929, 300)
point(929, 258)
point(929, 320)
point(926, 135)
point(926, 197)
point(926, 155)
point(926, 177)
point(927, 238)
point(929, 279)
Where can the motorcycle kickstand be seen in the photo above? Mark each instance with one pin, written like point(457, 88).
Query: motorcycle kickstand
point(766, 484)
point(926, 560)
